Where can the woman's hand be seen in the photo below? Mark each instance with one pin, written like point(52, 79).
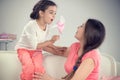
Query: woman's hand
point(41, 76)
point(60, 50)
point(36, 76)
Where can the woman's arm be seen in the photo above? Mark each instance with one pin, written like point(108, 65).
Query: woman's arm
point(61, 51)
point(57, 50)
point(84, 69)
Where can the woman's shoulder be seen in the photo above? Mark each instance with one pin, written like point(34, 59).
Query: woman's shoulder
point(75, 43)
point(92, 54)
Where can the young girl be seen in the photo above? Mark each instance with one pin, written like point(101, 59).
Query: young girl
point(83, 60)
point(32, 40)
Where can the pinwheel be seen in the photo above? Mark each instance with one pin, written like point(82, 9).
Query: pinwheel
point(60, 24)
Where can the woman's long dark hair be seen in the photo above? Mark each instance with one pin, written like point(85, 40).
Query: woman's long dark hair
point(41, 5)
point(94, 36)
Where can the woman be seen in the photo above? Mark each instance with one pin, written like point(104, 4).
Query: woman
point(83, 60)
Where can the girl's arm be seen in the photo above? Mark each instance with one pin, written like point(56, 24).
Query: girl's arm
point(44, 44)
point(49, 47)
point(48, 42)
point(84, 69)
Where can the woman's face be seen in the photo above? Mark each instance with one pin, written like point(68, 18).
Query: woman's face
point(80, 32)
point(49, 14)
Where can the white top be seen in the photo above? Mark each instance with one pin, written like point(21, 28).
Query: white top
point(32, 35)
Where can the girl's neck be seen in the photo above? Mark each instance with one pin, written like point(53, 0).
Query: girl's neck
point(41, 24)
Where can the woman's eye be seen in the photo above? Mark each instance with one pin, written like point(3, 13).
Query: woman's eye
point(51, 12)
point(82, 25)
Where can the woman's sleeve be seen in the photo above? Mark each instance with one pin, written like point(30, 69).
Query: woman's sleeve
point(93, 55)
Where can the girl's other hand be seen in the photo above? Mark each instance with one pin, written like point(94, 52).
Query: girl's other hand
point(55, 38)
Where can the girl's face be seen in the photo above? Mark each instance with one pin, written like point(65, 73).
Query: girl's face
point(49, 14)
point(80, 32)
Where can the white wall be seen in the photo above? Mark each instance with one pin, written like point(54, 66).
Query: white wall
point(14, 14)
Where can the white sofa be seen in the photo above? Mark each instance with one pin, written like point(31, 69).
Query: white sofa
point(10, 66)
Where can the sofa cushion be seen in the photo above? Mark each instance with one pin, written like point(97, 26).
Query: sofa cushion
point(54, 65)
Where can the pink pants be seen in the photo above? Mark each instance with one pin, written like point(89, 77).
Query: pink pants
point(31, 61)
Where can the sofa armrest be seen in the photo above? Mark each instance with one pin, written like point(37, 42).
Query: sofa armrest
point(108, 66)
point(118, 68)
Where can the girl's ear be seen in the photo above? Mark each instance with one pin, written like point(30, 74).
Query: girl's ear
point(41, 13)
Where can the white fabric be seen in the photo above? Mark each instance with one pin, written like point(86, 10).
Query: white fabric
point(32, 35)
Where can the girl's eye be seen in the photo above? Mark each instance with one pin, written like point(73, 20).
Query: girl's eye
point(79, 27)
point(53, 13)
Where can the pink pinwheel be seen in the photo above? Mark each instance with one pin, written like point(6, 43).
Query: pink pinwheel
point(60, 24)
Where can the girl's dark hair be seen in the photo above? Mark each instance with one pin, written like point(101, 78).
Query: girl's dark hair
point(41, 5)
point(94, 36)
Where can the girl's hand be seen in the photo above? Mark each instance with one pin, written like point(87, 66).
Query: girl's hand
point(55, 38)
point(44, 44)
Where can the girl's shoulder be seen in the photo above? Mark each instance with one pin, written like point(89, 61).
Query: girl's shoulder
point(30, 24)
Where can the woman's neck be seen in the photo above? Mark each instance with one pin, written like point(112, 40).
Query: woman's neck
point(80, 51)
point(41, 24)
